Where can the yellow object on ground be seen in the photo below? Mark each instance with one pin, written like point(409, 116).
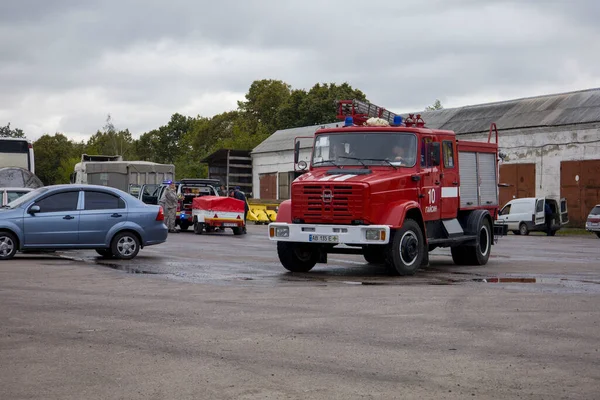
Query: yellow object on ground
point(262, 213)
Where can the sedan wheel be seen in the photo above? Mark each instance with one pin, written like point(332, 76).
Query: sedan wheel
point(8, 246)
point(125, 246)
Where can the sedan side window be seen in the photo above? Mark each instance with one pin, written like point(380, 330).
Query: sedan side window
point(102, 201)
point(66, 201)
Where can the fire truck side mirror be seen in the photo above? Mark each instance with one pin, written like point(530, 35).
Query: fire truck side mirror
point(296, 152)
point(435, 154)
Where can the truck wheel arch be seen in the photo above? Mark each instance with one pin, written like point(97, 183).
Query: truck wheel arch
point(398, 212)
point(284, 214)
point(472, 220)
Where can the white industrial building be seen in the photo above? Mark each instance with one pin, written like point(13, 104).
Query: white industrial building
point(552, 147)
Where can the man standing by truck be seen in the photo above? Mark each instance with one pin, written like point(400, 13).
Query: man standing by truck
point(169, 202)
point(238, 194)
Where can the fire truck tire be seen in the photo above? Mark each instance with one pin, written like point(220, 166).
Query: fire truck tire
point(198, 228)
point(406, 251)
point(478, 254)
point(297, 257)
point(374, 254)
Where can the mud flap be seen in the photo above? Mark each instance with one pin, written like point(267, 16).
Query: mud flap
point(499, 230)
point(323, 256)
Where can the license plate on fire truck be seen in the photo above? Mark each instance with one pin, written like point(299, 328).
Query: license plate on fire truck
point(323, 238)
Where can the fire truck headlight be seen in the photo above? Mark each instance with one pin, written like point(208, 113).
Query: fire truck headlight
point(282, 231)
point(375, 234)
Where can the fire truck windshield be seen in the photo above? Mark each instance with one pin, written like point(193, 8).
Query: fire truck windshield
point(366, 148)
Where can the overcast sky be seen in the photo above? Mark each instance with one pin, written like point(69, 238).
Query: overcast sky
point(66, 64)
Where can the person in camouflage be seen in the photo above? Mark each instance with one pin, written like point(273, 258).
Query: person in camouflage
point(169, 201)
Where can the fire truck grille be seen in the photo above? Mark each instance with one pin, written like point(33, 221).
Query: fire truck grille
point(328, 203)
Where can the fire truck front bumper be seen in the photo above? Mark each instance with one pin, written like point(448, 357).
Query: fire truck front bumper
point(330, 234)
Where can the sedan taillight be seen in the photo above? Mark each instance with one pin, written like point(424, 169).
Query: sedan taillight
point(161, 215)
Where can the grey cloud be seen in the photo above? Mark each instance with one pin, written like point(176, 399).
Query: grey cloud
point(73, 62)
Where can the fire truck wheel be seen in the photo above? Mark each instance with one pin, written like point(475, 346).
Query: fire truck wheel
point(407, 248)
point(198, 228)
point(478, 254)
point(374, 254)
point(297, 257)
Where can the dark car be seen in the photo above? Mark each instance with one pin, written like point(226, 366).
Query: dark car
point(68, 217)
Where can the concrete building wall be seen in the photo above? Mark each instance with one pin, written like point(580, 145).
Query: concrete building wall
point(547, 147)
point(274, 162)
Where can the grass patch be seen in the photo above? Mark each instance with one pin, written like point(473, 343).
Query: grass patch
point(574, 232)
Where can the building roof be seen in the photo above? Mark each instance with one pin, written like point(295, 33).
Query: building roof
point(571, 108)
point(284, 139)
point(221, 155)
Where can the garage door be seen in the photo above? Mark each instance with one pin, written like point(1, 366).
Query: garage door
point(519, 180)
point(580, 185)
point(268, 186)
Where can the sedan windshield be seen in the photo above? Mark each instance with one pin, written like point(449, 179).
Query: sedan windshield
point(26, 198)
point(366, 148)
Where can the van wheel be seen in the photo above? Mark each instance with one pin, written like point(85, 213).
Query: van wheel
point(184, 226)
point(523, 229)
point(125, 245)
point(478, 254)
point(8, 245)
point(552, 233)
point(374, 254)
point(405, 252)
point(297, 257)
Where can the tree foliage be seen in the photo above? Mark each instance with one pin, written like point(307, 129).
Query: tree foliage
point(437, 105)
point(269, 105)
point(6, 131)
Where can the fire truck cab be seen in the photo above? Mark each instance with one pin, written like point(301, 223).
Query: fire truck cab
point(392, 190)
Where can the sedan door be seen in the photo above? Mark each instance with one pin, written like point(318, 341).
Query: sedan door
point(57, 222)
point(101, 212)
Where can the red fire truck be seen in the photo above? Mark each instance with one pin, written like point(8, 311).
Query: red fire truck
point(392, 190)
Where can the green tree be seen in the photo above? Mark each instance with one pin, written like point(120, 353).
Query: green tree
point(263, 101)
point(318, 107)
point(51, 151)
point(437, 105)
point(162, 145)
point(110, 142)
point(289, 115)
point(6, 131)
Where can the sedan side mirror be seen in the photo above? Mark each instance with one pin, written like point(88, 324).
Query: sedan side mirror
point(34, 209)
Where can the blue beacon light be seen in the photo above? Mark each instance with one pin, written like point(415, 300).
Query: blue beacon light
point(349, 121)
point(398, 120)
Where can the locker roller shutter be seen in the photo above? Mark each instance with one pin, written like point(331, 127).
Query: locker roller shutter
point(468, 179)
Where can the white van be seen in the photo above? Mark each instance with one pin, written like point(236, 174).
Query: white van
point(527, 215)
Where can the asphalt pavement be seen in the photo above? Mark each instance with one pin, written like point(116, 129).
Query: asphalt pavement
point(217, 317)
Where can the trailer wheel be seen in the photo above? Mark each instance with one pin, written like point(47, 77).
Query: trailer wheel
point(198, 228)
point(405, 252)
point(297, 257)
point(478, 254)
point(237, 230)
point(374, 254)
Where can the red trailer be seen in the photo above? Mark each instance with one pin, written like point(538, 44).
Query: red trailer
point(210, 212)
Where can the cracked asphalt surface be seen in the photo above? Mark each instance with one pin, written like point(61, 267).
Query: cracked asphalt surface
point(217, 317)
